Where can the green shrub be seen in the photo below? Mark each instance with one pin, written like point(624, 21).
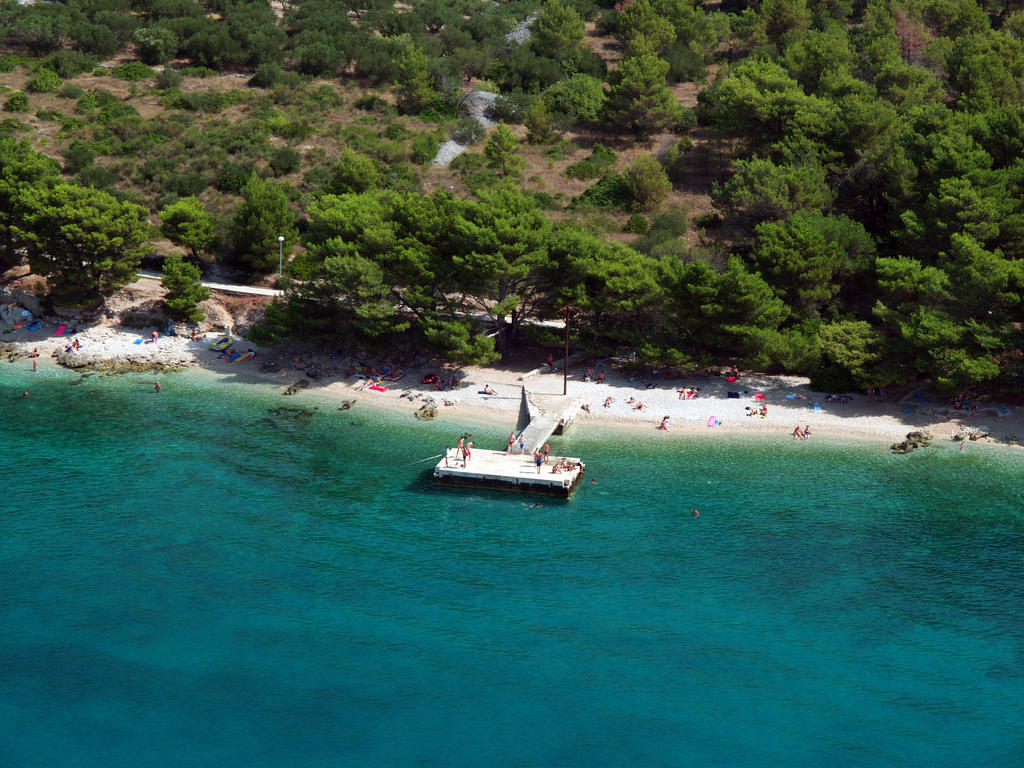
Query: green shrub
point(601, 159)
point(316, 179)
point(87, 102)
point(133, 71)
point(396, 131)
point(424, 148)
point(561, 150)
point(468, 162)
point(49, 114)
point(232, 176)
point(267, 75)
point(68, 63)
point(198, 72)
point(97, 176)
point(370, 102)
point(583, 169)
point(709, 220)
point(602, 155)
point(169, 79)
point(610, 193)
point(17, 101)
point(78, 156)
point(675, 159)
point(512, 107)
point(12, 125)
point(43, 81)
point(545, 200)
point(284, 161)
point(484, 179)
point(10, 63)
point(468, 131)
point(189, 184)
point(636, 224)
point(70, 91)
point(648, 182)
point(327, 97)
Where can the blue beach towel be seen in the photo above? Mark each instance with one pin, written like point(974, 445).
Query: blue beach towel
point(34, 327)
point(137, 341)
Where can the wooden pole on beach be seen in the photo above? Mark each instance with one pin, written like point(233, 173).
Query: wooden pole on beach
point(565, 362)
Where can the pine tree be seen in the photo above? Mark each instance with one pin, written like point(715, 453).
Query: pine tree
point(502, 151)
point(416, 85)
point(184, 290)
point(640, 100)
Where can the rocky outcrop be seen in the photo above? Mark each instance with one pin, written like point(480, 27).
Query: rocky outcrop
point(914, 440)
point(963, 433)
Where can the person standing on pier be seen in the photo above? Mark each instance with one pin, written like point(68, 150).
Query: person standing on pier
point(547, 453)
point(460, 448)
point(511, 443)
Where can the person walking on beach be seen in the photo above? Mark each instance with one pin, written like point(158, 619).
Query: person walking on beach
point(664, 424)
point(807, 431)
point(154, 338)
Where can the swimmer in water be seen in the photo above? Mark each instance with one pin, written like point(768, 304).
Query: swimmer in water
point(696, 513)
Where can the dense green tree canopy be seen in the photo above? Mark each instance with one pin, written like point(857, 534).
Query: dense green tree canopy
point(86, 242)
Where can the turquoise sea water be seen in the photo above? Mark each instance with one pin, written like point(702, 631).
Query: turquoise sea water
point(187, 579)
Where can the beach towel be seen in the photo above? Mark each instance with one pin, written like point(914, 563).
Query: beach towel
point(733, 395)
point(60, 330)
point(394, 377)
point(713, 421)
point(137, 341)
point(34, 327)
point(234, 357)
point(759, 395)
point(790, 396)
point(377, 388)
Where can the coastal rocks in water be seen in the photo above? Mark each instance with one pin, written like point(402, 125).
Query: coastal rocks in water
point(967, 433)
point(426, 411)
point(346, 404)
point(914, 440)
point(292, 413)
point(300, 384)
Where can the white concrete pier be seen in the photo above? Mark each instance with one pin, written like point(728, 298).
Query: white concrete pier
point(501, 471)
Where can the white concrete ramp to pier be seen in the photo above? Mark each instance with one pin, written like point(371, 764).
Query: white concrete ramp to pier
point(546, 411)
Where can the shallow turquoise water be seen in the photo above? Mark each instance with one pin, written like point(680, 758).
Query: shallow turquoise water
point(190, 580)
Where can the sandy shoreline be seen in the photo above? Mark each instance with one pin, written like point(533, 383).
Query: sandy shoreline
point(789, 400)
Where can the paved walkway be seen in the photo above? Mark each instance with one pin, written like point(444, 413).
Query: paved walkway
point(225, 287)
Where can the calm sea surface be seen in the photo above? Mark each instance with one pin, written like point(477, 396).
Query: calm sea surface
point(188, 579)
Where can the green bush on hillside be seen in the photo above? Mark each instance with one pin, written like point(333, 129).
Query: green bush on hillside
point(17, 101)
point(43, 81)
point(133, 71)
